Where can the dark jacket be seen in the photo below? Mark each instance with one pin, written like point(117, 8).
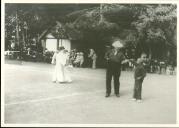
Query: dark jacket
point(111, 57)
point(139, 71)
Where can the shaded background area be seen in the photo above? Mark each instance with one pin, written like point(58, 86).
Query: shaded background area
point(142, 27)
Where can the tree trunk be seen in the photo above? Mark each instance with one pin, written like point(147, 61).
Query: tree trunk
point(101, 13)
point(17, 29)
point(17, 37)
point(23, 38)
point(57, 43)
point(150, 52)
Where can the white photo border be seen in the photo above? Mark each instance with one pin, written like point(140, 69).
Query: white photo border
point(3, 2)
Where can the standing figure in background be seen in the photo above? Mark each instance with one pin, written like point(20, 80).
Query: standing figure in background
point(162, 66)
point(81, 59)
point(156, 66)
point(151, 66)
point(29, 54)
point(77, 60)
point(93, 56)
point(72, 56)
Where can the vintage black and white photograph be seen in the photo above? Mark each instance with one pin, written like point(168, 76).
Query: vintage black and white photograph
point(89, 63)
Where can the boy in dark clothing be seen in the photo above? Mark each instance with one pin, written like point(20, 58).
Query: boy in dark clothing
point(139, 75)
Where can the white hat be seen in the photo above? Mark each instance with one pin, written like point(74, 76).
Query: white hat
point(117, 44)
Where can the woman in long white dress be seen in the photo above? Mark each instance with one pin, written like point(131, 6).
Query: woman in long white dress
point(60, 59)
point(93, 56)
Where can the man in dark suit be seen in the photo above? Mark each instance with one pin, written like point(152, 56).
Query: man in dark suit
point(114, 58)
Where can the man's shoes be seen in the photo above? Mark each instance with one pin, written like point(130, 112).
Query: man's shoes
point(134, 99)
point(107, 95)
point(117, 95)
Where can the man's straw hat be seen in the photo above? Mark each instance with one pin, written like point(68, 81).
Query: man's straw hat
point(117, 44)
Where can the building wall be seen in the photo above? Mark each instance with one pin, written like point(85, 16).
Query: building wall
point(51, 44)
point(65, 43)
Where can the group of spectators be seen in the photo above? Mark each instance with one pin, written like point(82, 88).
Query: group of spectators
point(161, 67)
point(78, 58)
point(154, 66)
point(26, 54)
point(12, 52)
point(86, 59)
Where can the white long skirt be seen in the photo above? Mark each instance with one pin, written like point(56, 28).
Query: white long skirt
point(61, 74)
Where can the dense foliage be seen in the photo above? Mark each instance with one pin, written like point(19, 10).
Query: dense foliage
point(144, 27)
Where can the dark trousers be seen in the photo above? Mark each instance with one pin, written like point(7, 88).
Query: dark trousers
point(138, 89)
point(113, 70)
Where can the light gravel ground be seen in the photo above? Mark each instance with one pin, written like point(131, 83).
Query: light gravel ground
point(31, 97)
